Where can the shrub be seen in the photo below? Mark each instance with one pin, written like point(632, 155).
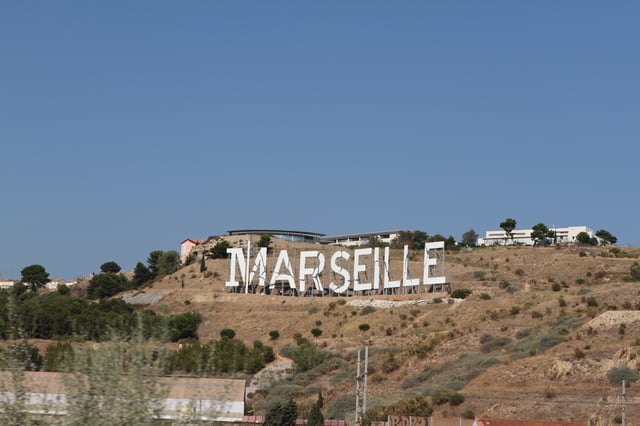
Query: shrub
point(519, 272)
point(364, 327)
point(495, 344)
point(634, 271)
point(556, 286)
point(456, 398)
point(26, 356)
point(460, 293)
point(63, 290)
point(485, 338)
point(441, 396)
point(306, 356)
point(468, 414)
point(390, 365)
point(600, 274)
point(313, 309)
point(622, 329)
point(316, 332)
point(536, 314)
point(512, 289)
point(617, 374)
point(480, 275)
point(184, 326)
point(274, 334)
point(219, 251)
point(485, 296)
point(228, 333)
point(367, 310)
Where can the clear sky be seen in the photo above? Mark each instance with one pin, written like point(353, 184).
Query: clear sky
point(128, 126)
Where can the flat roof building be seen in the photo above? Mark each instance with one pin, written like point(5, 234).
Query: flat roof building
point(522, 237)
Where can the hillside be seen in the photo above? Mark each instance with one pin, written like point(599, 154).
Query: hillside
point(534, 339)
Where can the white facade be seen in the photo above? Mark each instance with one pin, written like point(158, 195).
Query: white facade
point(522, 237)
point(6, 284)
point(359, 240)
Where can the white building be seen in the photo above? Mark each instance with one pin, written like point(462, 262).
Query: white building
point(6, 284)
point(522, 237)
point(359, 240)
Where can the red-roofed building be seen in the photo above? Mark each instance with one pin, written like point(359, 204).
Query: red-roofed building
point(186, 246)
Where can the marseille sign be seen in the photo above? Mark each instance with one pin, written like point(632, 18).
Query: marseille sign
point(349, 266)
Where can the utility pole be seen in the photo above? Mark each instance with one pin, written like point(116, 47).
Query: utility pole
point(363, 378)
point(366, 368)
point(623, 396)
point(358, 388)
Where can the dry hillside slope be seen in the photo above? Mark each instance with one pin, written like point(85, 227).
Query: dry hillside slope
point(536, 337)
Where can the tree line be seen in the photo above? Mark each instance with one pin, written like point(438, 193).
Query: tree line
point(54, 315)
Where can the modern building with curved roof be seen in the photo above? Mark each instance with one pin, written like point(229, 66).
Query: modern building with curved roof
point(300, 236)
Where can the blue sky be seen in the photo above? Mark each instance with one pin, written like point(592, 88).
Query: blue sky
point(126, 127)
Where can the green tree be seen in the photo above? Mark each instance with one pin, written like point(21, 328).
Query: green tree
point(584, 239)
point(35, 275)
point(540, 232)
point(168, 263)
point(450, 243)
point(508, 226)
point(203, 266)
point(315, 415)
point(153, 261)
point(265, 240)
point(282, 415)
point(63, 290)
point(606, 235)
point(469, 238)
point(219, 251)
point(26, 355)
point(141, 274)
point(418, 240)
point(110, 267)
point(106, 285)
point(184, 326)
